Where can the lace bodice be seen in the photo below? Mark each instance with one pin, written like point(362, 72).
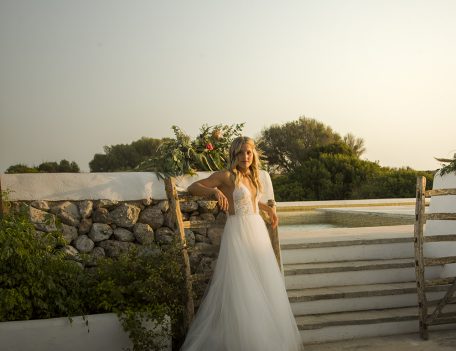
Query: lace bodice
point(242, 199)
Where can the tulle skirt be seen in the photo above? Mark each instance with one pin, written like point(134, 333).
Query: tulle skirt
point(245, 306)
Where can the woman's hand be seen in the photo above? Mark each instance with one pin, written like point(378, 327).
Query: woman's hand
point(274, 218)
point(221, 199)
point(271, 211)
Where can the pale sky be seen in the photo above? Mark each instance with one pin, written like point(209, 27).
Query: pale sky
point(78, 75)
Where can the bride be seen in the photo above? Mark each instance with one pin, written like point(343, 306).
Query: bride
point(245, 306)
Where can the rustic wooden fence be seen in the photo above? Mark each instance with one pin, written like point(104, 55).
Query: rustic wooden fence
point(179, 227)
point(430, 311)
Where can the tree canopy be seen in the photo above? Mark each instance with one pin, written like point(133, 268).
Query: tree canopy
point(307, 159)
point(337, 176)
point(288, 145)
point(64, 166)
point(125, 157)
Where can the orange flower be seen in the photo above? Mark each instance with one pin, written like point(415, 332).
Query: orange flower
point(209, 146)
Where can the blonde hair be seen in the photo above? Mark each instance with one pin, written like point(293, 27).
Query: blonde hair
point(254, 168)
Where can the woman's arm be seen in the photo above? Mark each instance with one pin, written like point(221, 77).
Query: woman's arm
point(271, 213)
point(208, 188)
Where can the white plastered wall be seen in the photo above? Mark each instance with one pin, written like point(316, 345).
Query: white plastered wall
point(442, 204)
point(120, 186)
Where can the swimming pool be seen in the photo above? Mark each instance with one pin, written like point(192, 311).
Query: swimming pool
point(320, 219)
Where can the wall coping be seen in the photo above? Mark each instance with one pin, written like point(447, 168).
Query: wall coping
point(120, 186)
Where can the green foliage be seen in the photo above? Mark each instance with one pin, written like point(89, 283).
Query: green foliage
point(449, 165)
point(63, 167)
point(326, 177)
point(21, 168)
point(290, 145)
point(391, 183)
point(141, 288)
point(287, 146)
point(37, 281)
point(356, 145)
point(341, 176)
point(182, 155)
point(125, 157)
point(46, 167)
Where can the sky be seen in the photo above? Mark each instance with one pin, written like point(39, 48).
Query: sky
point(79, 75)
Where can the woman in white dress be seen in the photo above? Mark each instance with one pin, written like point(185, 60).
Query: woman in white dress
point(245, 306)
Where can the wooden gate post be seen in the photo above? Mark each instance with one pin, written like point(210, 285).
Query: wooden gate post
point(275, 242)
point(174, 208)
point(419, 261)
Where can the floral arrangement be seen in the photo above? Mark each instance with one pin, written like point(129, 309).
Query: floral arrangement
point(182, 155)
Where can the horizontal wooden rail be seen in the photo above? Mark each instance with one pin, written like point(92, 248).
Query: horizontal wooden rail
point(438, 288)
point(441, 281)
point(440, 192)
point(444, 319)
point(436, 302)
point(438, 238)
point(197, 224)
point(439, 260)
point(440, 216)
point(200, 276)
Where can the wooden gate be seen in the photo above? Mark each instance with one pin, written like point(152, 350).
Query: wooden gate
point(179, 227)
point(430, 311)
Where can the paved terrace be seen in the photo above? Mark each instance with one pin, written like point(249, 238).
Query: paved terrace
point(439, 340)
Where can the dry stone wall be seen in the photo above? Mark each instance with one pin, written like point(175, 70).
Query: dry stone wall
point(106, 228)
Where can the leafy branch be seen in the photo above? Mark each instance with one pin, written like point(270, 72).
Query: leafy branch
point(182, 155)
point(449, 167)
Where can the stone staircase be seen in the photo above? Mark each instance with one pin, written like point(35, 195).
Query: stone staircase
point(347, 283)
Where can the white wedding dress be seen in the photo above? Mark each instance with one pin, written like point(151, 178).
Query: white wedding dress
point(245, 306)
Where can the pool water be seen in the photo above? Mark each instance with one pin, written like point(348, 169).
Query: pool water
point(344, 218)
point(306, 227)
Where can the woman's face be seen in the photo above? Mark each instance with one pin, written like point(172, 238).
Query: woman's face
point(245, 157)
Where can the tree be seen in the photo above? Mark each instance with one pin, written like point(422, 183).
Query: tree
point(332, 176)
point(66, 166)
point(355, 144)
point(63, 167)
point(21, 168)
point(46, 167)
point(125, 157)
point(287, 146)
point(391, 183)
point(340, 176)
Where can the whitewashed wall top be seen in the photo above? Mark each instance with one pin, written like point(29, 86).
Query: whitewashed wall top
point(120, 186)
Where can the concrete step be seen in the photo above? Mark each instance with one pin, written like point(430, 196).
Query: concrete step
point(325, 274)
point(357, 297)
point(347, 325)
point(340, 244)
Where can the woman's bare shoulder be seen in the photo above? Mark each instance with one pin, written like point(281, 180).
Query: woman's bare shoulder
point(216, 179)
point(223, 176)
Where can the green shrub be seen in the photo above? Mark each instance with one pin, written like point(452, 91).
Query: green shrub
point(141, 287)
point(343, 177)
point(37, 281)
